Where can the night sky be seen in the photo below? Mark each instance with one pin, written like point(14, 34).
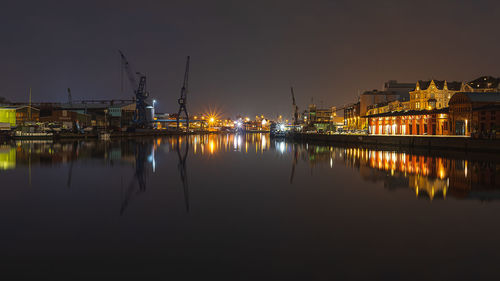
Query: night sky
point(244, 54)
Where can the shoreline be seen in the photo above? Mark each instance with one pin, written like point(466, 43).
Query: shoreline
point(464, 144)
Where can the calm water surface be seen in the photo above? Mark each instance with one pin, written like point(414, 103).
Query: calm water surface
point(245, 207)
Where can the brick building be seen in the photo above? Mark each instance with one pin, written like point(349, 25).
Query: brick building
point(475, 114)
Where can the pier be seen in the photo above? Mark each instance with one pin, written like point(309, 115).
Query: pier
point(408, 142)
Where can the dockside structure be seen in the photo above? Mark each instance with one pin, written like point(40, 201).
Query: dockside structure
point(440, 108)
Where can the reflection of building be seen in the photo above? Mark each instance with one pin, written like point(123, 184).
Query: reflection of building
point(476, 114)
point(211, 144)
point(7, 157)
point(427, 176)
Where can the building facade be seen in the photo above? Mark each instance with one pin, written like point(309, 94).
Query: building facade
point(352, 117)
point(411, 122)
point(322, 119)
point(483, 84)
point(475, 114)
point(393, 91)
point(433, 94)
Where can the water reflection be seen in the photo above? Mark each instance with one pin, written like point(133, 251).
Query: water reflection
point(138, 182)
point(213, 144)
point(428, 176)
point(182, 170)
point(248, 196)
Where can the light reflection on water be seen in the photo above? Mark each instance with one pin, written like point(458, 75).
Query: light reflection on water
point(428, 176)
point(246, 203)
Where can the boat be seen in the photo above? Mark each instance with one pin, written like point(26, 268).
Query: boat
point(103, 135)
point(20, 135)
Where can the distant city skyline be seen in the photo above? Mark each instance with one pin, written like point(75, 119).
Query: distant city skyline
point(244, 56)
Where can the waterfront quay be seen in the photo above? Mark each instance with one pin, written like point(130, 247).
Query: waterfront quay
point(403, 142)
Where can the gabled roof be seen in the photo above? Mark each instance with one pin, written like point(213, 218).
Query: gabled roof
point(381, 93)
point(485, 82)
point(17, 107)
point(454, 85)
point(479, 97)
point(94, 105)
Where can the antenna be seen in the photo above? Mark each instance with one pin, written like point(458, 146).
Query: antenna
point(70, 100)
point(29, 112)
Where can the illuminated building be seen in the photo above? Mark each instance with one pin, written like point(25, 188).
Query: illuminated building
point(322, 119)
point(475, 114)
point(8, 116)
point(393, 91)
point(25, 113)
point(483, 84)
point(433, 94)
point(352, 117)
point(410, 122)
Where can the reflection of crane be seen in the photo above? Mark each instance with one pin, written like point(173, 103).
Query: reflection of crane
point(141, 95)
point(294, 163)
point(73, 159)
point(295, 109)
point(182, 100)
point(139, 176)
point(182, 171)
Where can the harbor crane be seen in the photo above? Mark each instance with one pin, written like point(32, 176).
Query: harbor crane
point(70, 99)
point(182, 100)
point(140, 116)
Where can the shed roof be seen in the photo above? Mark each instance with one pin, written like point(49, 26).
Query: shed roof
point(479, 97)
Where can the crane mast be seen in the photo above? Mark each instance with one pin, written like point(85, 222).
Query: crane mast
point(182, 100)
point(70, 99)
point(295, 109)
point(140, 116)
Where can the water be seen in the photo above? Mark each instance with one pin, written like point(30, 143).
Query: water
point(244, 208)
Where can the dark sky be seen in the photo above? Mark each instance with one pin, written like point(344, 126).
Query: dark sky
point(244, 54)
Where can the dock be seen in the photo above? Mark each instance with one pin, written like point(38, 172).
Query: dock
point(407, 142)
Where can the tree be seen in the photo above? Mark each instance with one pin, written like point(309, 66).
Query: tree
point(3, 100)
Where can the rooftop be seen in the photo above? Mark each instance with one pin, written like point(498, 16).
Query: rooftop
point(485, 82)
point(479, 97)
point(454, 85)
